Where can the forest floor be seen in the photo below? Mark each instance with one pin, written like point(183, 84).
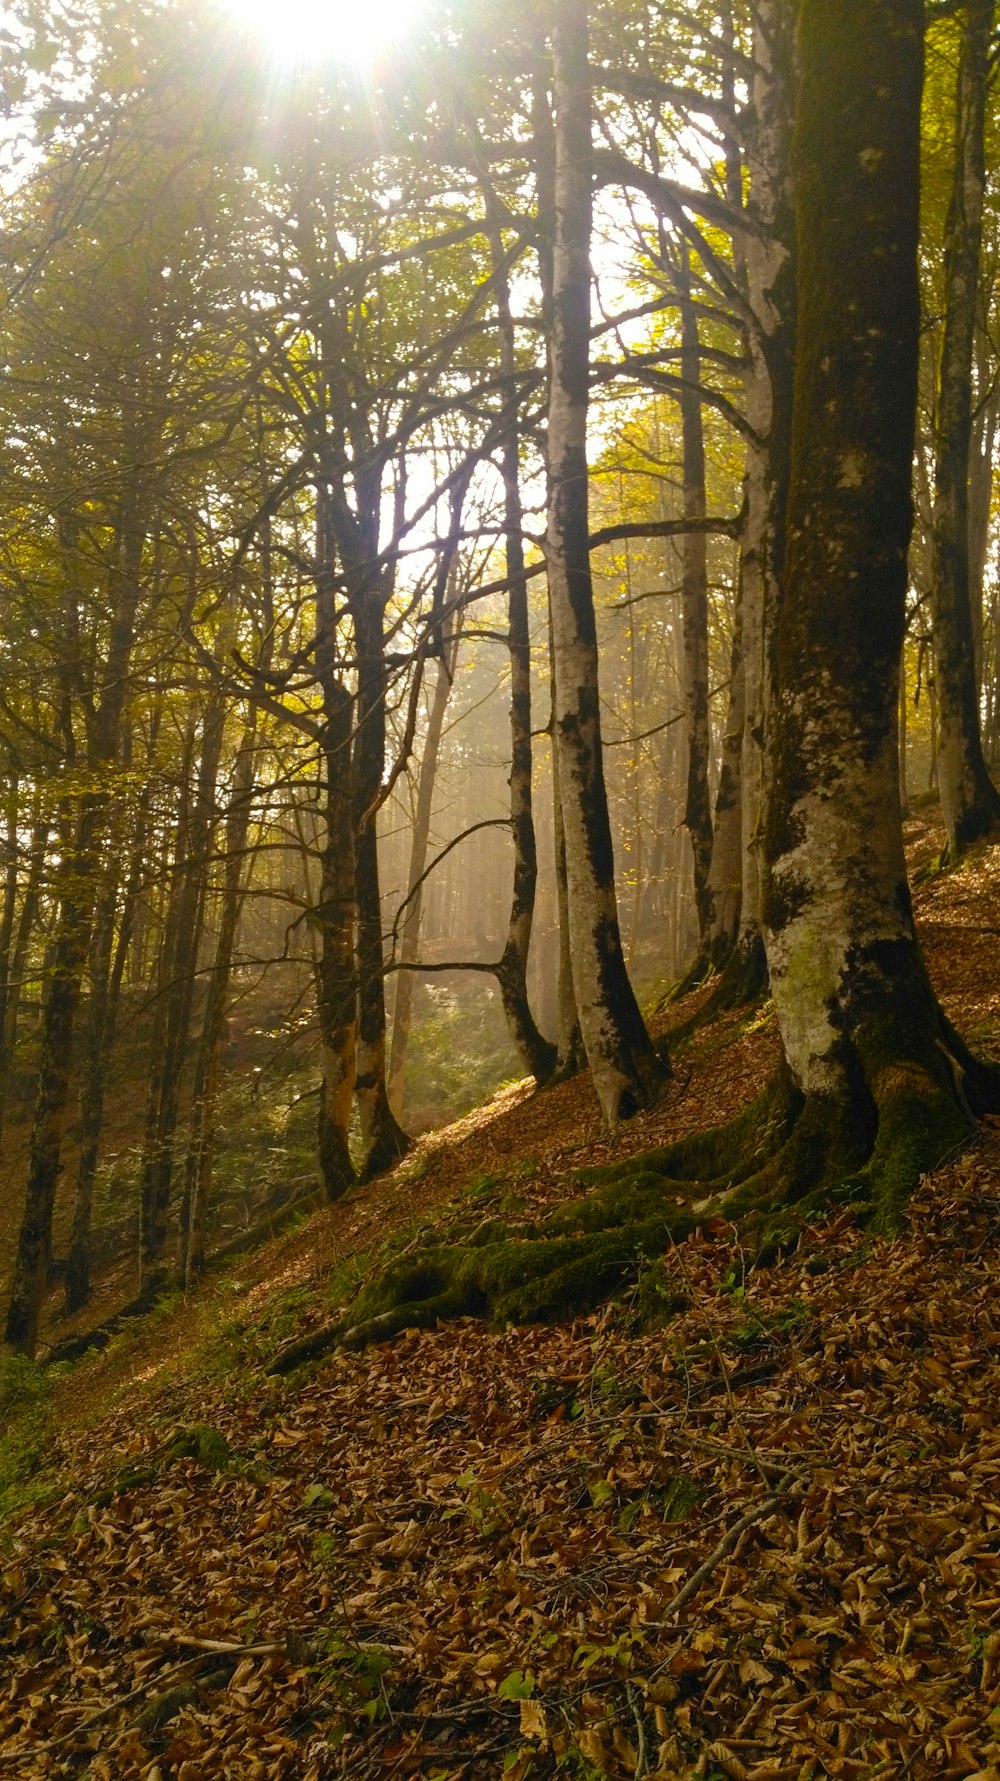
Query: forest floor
point(763, 1541)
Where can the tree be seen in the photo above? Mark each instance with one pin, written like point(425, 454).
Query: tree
point(877, 1086)
point(626, 1072)
point(970, 803)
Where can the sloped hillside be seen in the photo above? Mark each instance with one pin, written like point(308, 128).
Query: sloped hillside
point(760, 1540)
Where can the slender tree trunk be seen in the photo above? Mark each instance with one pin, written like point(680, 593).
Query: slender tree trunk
point(201, 1145)
point(383, 1140)
point(8, 911)
point(182, 944)
point(694, 608)
point(336, 980)
point(625, 1070)
point(27, 921)
point(419, 844)
point(76, 886)
point(537, 1052)
point(970, 802)
point(94, 1061)
point(724, 889)
point(984, 439)
point(75, 880)
point(770, 272)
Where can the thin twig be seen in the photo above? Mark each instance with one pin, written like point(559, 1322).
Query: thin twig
point(718, 1553)
point(641, 1761)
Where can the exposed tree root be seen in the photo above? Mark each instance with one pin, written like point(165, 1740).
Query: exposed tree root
point(786, 1157)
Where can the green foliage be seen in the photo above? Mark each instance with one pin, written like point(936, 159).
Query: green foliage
point(518, 1686)
point(354, 1675)
point(460, 1053)
point(326, 1550)
point(25, 1389)
point(317, 1496)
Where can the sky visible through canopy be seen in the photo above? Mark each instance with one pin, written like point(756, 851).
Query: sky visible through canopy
point(301, 31)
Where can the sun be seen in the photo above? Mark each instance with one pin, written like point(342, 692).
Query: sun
point(302, 32)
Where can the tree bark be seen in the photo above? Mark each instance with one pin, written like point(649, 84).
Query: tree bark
point(970, 803)
point(770, 273)
point(204, 1093)
point(537, 1052)
point(383, 1140)
point(419, 845)
point(76, 882)
point(336, 980)
point(94, 1061)
point(882, 1083)
point(182, 942)
point(626, 1072)
point(24, 927)
point(694, 607)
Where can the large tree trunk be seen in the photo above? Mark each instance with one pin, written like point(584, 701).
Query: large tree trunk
point(877, 1068)
point(970, 802)
point(625, 1070)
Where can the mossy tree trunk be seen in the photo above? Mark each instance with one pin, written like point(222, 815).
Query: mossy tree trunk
point(886, 1087)
point(625, 1070)
point(970, 802)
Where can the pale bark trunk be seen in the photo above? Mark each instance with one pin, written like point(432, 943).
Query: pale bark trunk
point(625, 1070)
point(970, 803)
